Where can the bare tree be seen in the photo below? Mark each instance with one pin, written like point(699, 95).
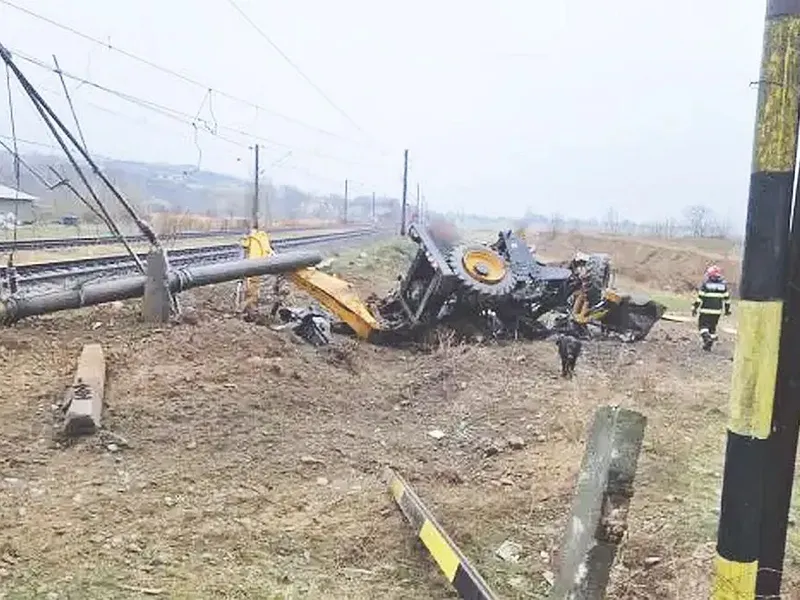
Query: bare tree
point(556, 225)
point(698, 220)
point(612, 221)
point(720, 228)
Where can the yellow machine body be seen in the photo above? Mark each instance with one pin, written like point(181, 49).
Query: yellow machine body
point(339, 297)
point(333, 293)
point(256, 245)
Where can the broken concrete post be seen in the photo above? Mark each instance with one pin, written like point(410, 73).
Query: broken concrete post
point(157, 295)
point(84, 401)
point(598, 518)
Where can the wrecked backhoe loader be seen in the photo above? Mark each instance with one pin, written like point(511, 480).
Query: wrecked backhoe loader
point(501, 290)
point(504, 290)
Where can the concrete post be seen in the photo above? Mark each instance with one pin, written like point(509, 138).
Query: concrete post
point(157, 296)
point(83, 404)
point(598, 518)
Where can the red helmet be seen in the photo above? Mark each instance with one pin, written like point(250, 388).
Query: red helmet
point(713, 272)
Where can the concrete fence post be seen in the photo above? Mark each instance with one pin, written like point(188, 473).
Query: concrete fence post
point(599, 514)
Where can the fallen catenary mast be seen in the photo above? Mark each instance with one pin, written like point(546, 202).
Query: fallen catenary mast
point(179, 280)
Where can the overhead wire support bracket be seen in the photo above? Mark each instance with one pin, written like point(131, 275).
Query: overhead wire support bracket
point(44, 110)
point(36, 99)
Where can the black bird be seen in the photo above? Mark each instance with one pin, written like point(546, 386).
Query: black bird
point(569, 349)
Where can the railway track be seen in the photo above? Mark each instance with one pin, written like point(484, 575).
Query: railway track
point(101, 240)
point(39, 277)
point(108, 240)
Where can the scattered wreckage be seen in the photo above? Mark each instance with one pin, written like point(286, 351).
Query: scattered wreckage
point(497, 291)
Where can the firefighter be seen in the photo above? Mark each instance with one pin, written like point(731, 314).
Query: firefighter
point(713, 299)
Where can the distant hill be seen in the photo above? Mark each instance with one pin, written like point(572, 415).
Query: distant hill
point(160, 187)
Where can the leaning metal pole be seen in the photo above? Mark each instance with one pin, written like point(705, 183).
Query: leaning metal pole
point(90, 294)
point(762, 289)
point(44, 110)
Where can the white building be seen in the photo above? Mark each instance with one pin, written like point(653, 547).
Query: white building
point(16, 202)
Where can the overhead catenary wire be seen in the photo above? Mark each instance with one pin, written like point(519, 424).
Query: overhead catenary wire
point(69, 101)
point(172, 72)
point(62, 181)
point(292, 64)
point(47, 115)
point(175, 113)
point(183, 76)
point(280, 164)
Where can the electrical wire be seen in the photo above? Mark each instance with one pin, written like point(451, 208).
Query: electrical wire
point(174, 113)
point(38, 176)
point(279, 164)
point(62, 181)
point(291, 63)
point(168, 71)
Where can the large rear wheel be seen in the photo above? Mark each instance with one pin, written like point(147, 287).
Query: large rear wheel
point(481, 270)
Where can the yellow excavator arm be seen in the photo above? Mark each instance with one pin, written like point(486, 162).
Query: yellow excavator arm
point(335, 294)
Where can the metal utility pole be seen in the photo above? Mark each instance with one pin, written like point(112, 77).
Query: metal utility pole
point(345, 201)
point(779, 83)
point(762, 428)
point(373, 207)
point(254, 224)
point(52, 120)
point(405, 192)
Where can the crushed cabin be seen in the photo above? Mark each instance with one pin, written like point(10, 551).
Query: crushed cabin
point(18, 203)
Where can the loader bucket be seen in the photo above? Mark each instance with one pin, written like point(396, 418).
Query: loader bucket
point(632, 316)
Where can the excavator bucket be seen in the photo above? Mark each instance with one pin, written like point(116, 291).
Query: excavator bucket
point(630, 316)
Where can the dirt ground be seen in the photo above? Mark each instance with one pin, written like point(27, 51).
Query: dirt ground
point(238, 462)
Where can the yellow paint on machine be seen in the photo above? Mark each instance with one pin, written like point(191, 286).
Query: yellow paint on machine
point(440, 550)
point(256, 245)
point(775, 143)
point(734, 580)
point(339, 297)
point(755, 368)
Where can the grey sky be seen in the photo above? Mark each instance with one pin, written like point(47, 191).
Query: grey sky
point(558, 106)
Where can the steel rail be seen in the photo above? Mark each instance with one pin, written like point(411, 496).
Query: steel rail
point(35, 275)
point(108, 240)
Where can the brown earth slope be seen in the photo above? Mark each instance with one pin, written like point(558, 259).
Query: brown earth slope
point(671, 266)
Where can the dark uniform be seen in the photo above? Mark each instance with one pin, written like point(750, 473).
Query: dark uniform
point(713, 299)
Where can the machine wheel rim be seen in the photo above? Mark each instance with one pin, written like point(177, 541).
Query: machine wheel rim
point(495, 278)
point(484, 265)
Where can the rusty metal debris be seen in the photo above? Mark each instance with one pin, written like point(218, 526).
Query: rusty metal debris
point(312, 325)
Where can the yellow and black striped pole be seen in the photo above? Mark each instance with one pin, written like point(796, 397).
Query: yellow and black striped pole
point(466, 581)
point(761, 291)
point(781, 452)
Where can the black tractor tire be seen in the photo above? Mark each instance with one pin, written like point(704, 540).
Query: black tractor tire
point(475, 287)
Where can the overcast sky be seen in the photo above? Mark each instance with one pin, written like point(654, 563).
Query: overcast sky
point(571, 106)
